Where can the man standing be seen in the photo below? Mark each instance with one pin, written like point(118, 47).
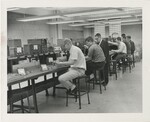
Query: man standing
point(77, 65)
point(104, 45)
point(127, 43)
point(132, 48)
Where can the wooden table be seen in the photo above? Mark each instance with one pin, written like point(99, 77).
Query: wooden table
point(16, 78)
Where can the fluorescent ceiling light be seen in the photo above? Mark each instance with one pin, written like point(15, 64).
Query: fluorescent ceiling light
point(90, 26)
point(110, 22)
point(134, 20)
point(36, 18)
point(82, 24)
point(125, 20)
point(126, 23)
point(112, 17)
point(131, 23)
point(64, 22)
point(90, 12)
point(131, 8)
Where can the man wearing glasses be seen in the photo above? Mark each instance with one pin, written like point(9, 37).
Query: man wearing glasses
point(77, 65)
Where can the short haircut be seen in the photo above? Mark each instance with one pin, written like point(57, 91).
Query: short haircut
point(129, 37)
point(119, 38)
point(123, 36)
point(67, 41)
point(89, 39)
point(115, 35)
point(98, 34)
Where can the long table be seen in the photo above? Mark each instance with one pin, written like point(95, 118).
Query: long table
point(16, 78)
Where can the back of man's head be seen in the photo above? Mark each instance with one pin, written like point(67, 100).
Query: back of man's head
point(123, 36)
point(98, 35)
point(119, 38)
point(67, 41)
point(89, 39)
point(129, 37)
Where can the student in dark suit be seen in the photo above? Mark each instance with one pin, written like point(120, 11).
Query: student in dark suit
point(104, 45)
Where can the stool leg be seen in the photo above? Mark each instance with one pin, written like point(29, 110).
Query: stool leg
point(129, 66)
point(87, 88)
point(47, 94)
point(22, 106)
point(95, 79)
point(100, 82)
point(115, 70)
point(28, 103)
point(67, 98)
point(79, 94)
point(133, 61)
point(11, 105)
point(75, 82)
point(104, 79)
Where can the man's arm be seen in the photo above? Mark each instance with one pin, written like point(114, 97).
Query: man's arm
point(112, 43)
point(90, 54)
point(68, 63)
point(119, 50)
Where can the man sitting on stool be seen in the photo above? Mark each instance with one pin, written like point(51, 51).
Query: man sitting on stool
point(77, 63)
point(95, 55)
point(122, 50)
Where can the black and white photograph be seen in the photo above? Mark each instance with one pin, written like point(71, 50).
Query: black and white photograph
point(74, 60)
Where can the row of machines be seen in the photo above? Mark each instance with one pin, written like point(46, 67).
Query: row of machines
point(34, 46)
point(36, 49)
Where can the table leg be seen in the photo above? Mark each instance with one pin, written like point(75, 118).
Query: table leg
point(47, 94)
point(34, 96)
point(54, 85)
point(11, 102)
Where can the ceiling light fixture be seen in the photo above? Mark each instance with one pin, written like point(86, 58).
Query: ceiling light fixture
point(90, 12)
point(111, 17)
point(65, 22)
point(124, 23)
point(125, 20)
point(82, 24)
point(36, 18)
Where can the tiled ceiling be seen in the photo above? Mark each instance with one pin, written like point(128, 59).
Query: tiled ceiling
point(75, 15)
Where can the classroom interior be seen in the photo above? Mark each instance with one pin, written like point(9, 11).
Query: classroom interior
point(35, 37)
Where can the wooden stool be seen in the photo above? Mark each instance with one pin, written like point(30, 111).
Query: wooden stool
point(78, 93)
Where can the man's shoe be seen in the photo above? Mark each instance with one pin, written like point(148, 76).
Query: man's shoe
point(74, 91)
point(91, 76)
point(104, 84)
point(68, 91)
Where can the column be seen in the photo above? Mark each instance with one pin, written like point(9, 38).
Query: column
point(115, 28)
point(99, 28)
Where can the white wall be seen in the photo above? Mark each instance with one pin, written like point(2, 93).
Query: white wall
point(135, 31)
point(27, 30)
point(38, 29)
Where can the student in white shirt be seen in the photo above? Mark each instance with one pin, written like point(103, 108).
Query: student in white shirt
point(77, 65)
point(122, 50)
